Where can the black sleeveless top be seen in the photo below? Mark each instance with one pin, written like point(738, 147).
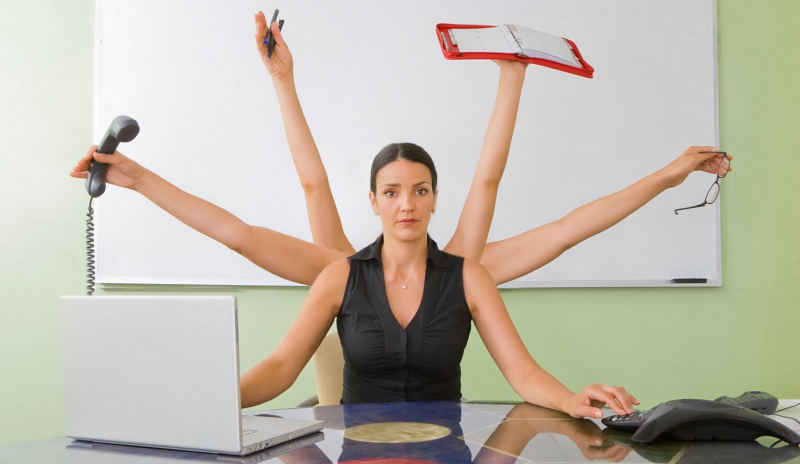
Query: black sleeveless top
point(384, 362)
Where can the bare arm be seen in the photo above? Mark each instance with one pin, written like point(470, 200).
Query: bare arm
point(476, 215)
point(272, 376)
point(323, 217)
point(526, 377)
point(525, 421)
point(516, 256)
point(280, 254)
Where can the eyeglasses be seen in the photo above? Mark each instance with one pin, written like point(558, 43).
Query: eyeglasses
point(713, 191)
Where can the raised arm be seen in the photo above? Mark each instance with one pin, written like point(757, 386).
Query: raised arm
point(280, 254)
point(526, 377)
point(323, 217)
point(476, 215)
point(272, 376)
point(516, 256)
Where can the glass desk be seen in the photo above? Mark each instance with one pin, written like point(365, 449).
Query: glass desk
point(432, 432)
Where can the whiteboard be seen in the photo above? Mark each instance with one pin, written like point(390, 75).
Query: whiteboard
point(372, 73)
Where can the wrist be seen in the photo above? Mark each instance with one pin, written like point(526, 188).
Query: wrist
point(283, 81)
point(145, 179)
point(664, 178)
point(512, 69)
point(564, 403)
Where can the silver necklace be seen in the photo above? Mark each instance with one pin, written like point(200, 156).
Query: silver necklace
point(404, 285)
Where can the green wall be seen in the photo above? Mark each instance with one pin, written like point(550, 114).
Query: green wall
point(659, 343)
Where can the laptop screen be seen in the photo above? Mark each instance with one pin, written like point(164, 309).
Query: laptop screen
point(152, 370)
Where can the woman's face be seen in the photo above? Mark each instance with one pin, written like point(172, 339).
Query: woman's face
point(404, 199)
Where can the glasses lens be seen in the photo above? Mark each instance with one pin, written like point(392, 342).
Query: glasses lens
point(724, 165)
point(713, 193)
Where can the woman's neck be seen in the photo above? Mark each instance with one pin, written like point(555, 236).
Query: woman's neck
point(403, 256)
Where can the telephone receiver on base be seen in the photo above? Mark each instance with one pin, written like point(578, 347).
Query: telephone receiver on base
point(122, 129)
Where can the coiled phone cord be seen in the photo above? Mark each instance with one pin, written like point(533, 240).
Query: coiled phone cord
point(90, 249)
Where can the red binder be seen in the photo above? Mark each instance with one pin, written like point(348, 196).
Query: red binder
point(451, 52)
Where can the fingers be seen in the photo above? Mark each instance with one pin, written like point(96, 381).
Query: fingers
point(707, 159)
point(585, 410)
point(108, 159)
point(276, 32)
point(80, 169)
point(615, 397)
point(261, 26)
point(713, 164)
point(261, 32)
point(92, 149)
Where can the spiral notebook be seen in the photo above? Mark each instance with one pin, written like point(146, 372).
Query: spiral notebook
point(512, 42)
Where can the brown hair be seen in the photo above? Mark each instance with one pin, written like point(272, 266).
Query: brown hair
point(407, 151)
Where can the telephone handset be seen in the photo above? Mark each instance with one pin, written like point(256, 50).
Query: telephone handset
point(122, 129)
point(734, 419)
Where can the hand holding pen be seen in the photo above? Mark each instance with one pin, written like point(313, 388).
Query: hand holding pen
point(271, 46)
point(269, 41)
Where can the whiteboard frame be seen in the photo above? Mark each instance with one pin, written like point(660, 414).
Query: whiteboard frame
point(110, 279)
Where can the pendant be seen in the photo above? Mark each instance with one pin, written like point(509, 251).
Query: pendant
point(404, 286)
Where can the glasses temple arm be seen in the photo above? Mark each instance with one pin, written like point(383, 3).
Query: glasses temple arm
point(690, 207)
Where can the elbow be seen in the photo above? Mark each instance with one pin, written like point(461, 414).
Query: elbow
point(314, 184)
point(522, 383)
point(240, 238)
point(490, 182)
point(564, 239)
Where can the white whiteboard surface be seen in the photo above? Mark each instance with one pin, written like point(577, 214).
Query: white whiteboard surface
point(372, 73)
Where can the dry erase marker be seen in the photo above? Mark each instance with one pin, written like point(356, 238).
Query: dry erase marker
point(689, 281)
point(271, 46)
point(268, 38)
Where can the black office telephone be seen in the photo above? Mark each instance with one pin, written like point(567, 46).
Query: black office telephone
point(121, 129)
point(692, 419)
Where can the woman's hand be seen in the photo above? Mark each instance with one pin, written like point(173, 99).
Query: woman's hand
point(280, 64)
point(512, 65)
point(588, 402)
point(693, 159)
point(122, 171)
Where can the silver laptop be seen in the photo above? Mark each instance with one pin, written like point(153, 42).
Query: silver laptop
point(161, 371)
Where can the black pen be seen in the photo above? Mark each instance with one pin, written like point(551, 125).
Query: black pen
point(268, 41)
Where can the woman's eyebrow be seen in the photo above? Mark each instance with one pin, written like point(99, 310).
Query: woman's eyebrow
point(397, 184)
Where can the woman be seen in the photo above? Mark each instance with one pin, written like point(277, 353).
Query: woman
point(404, 311)
point(506, 259)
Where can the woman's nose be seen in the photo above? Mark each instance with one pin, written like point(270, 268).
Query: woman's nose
point(407, 203)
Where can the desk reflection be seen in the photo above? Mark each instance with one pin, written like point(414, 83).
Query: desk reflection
point(524, 422)
point(81, 452)
point(479, 433)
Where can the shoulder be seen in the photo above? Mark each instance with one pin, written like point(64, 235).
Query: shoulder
point(480, 290)
point(475, 273)
point(478, 283)
point(329, 286)
point(334, 273)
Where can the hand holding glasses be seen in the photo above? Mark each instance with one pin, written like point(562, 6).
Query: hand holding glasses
point(713, 191)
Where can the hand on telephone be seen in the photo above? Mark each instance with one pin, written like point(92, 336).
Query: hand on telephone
point(122, 171)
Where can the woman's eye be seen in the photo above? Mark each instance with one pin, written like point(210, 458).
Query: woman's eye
point(389, 193)
point(422, 192)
